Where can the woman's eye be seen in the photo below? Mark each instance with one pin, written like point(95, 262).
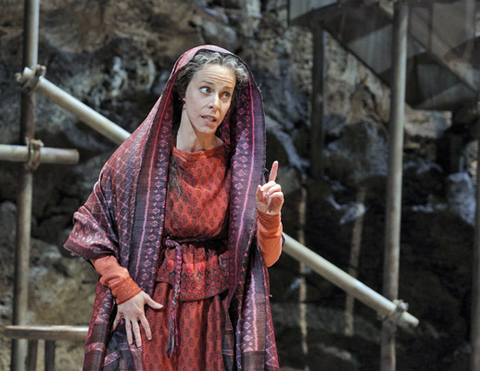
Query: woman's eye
point(225, 95)
point(205, 89)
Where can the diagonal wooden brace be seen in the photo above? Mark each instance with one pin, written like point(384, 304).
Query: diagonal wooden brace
point(33, 80)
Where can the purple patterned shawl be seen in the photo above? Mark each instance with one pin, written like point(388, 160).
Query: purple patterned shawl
point(124, 217)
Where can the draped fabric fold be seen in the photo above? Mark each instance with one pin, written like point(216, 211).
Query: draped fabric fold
point(124, 216)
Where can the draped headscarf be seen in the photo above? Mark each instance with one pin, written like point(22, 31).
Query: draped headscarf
point(124, 217)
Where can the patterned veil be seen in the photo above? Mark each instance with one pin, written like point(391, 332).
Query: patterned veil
point(124, 217)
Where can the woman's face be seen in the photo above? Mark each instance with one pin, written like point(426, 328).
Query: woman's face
point(208, 98)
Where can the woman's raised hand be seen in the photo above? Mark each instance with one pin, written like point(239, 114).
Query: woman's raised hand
point(270, 196)
point(133, 311)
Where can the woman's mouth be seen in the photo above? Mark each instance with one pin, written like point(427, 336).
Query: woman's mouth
point(209, 118)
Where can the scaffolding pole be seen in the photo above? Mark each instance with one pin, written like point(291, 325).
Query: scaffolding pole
point(394, 183)
point(24, 201)
point(475, 330)
point(32, 79)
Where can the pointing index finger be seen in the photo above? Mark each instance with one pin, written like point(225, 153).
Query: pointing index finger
point(273, 172)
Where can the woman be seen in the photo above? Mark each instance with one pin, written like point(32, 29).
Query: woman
point(171, 226)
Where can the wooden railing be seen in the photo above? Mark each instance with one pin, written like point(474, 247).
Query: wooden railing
point(50, 334)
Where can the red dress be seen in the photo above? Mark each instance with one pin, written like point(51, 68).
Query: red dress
point(195, 226)
point(195, 230)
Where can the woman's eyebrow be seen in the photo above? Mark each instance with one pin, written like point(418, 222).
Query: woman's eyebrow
point(206, 82)
point(211, 83)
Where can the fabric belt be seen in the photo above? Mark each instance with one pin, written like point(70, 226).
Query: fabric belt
point(173, 326)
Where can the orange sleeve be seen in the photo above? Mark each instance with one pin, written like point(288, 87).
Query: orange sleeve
point(116, 278)
point(269, 236)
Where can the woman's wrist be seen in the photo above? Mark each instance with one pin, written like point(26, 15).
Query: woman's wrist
point(269, 221)
point(125, 289)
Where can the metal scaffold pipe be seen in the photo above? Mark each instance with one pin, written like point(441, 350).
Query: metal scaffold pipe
point(46, 156)
point(30, 79)
point(475, 320)
point(395, 174)
point(24, 200)
point(352, 286)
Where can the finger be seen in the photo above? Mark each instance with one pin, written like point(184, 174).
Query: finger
point(271, 189)
point(153, 304)
point(277, 194)
point(273, 171)
point(118, 319)
point(259, 193)
point(128, 329)
point(136, 332)
point(275, 203)
point(266, 187)
point(277, 198)
point(146, 327)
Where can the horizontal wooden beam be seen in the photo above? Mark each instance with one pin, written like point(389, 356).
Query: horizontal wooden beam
point(74, 333)
point(48, 155)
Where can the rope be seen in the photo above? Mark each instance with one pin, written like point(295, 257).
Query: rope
point(34, 154)
point(395, 315)
point(29, 81)
point(173, 326)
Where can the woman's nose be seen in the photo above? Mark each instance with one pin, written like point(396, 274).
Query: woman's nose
point(214, 101)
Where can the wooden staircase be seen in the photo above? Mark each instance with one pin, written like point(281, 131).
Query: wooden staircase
point(443, 67)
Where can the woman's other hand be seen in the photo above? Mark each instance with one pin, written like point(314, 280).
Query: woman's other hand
point(133, 311)
point(270, 196)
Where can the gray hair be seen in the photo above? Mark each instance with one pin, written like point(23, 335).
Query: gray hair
point(205, 57)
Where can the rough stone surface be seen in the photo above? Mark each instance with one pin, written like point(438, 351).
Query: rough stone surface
point(115, 56)
point(360, 153)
